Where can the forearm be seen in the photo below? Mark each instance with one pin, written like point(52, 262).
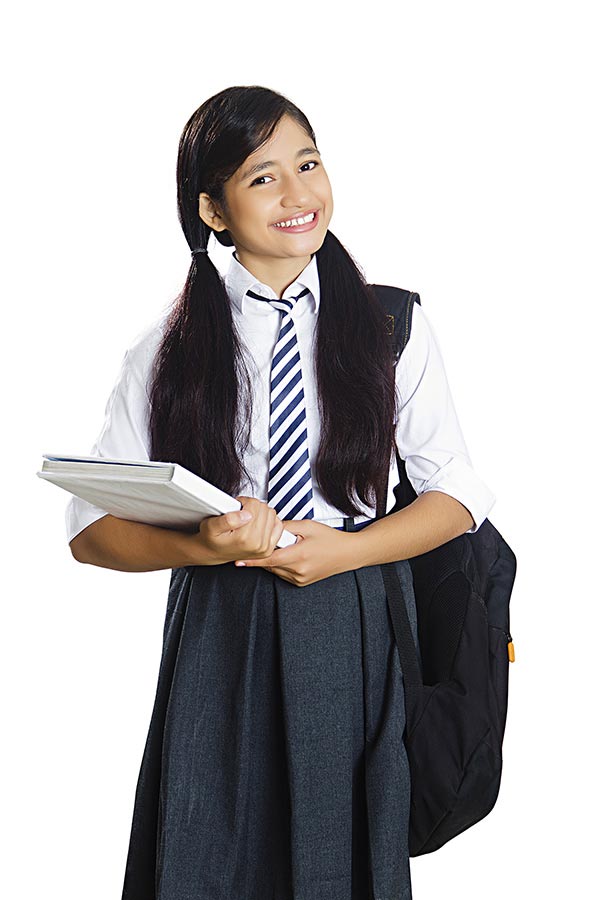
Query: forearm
point(114, 543)
point(428, 522)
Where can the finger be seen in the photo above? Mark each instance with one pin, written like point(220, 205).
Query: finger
point(283, 556)
point(302, 527)
point(253, 562)
point(284, 572)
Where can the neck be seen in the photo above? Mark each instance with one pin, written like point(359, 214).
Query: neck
point(278, 274)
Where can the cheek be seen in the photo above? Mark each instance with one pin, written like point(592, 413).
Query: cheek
point(250, 220)
point(327, 201)
point(325, 193)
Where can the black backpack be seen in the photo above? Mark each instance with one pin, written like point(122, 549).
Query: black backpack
point(457, 694)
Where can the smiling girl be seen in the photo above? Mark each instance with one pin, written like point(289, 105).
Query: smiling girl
point(274, 766)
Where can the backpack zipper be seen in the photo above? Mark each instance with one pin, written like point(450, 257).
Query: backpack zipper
point(510, 647)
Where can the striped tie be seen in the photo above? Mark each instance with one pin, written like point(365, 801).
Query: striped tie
point(290, 485)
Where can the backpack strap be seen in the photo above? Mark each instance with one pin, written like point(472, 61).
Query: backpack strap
point(398, 306)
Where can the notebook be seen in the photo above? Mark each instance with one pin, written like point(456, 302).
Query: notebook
point(156, 493)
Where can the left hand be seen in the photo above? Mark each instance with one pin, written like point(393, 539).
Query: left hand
point(319, 552)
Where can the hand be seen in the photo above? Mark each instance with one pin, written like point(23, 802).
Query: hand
point(320, 551)
point(235, 536)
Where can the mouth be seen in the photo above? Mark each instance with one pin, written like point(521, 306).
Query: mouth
point(298, 224)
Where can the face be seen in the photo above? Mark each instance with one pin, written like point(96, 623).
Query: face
point(283, 179)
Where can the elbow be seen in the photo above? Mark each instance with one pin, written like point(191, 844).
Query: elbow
point(80, 547)
point(76, 547)
point(457, 517)
point(466, 517)
point(84, 546)
point(471, 520)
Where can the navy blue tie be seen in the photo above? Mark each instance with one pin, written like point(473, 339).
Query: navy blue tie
point(290, 484)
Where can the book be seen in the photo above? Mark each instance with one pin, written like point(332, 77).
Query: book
point(155, 493)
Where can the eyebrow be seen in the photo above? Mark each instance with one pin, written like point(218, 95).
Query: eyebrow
point(306, 151)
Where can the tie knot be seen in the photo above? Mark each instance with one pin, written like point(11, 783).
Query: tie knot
point(285, 305)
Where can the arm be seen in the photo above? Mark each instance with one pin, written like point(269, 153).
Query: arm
point(98, 538)
point(428, 522)
point(430, 439)
point(114, 543)
point(452, 499)
point(124, 435)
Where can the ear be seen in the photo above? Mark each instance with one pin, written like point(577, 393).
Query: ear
point(210, 213)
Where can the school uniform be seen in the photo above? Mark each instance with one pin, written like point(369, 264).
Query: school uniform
point(274, 766)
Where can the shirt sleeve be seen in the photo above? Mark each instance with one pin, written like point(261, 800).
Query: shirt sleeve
point(124, 435)
point(428, 433)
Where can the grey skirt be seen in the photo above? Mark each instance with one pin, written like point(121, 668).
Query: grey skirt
point(274, 767)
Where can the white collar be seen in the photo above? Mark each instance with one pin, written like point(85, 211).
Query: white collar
point(239, 280)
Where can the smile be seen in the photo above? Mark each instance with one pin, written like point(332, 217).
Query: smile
point(299, 223)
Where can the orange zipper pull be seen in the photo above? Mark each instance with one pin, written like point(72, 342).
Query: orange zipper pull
point(511, 649)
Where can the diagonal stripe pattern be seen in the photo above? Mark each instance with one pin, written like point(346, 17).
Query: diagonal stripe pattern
point(290, 485)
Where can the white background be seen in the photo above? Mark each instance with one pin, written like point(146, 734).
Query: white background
point(459, 139)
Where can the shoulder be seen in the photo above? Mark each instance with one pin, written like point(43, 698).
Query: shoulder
point(422, 339)
point(421, 362)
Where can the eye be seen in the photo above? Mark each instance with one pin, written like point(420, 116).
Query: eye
point(311, 162)
point(256, 180)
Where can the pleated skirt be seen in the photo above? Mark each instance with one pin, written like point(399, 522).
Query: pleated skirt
point(274, 766)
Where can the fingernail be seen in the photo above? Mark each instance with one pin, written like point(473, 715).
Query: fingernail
point(245, 516)
point(240, 563)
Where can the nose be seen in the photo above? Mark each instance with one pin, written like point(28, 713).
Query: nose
point(294, 191)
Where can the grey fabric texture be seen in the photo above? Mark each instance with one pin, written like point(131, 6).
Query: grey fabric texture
point(274, 767)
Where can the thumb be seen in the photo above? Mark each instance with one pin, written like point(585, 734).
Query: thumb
point(231, 520)
point(240, 517)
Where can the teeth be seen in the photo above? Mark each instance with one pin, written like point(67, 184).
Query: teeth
point(291, 222)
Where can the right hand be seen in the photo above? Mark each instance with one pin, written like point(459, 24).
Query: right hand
point(230, 537)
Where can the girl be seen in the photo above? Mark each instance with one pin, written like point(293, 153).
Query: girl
point(274, 766)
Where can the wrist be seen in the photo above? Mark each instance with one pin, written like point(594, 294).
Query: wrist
point(197, 553)
point(353, 551)
point(360, 549)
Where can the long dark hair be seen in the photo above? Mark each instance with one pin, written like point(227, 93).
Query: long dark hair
point(201, 393)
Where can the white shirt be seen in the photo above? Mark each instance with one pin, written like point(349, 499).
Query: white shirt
point(428, 433)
